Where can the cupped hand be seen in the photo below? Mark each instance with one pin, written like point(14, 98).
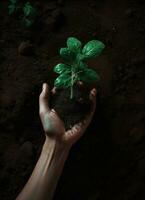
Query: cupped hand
point(52, 124)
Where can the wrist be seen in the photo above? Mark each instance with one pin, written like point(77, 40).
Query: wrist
point(54, 154)
point(47, 171)
point(56, 146)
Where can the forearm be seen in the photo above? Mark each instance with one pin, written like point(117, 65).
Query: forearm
point(43, 181)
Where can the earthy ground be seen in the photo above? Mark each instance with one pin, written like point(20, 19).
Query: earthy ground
point(108, 163)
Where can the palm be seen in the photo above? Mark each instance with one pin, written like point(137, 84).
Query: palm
point(54, 126)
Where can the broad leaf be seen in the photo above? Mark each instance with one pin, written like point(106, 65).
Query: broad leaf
point(29, 11)
point(67, 55)
point(65, 52)
point(11, 9)
point(27, 22)
point(93, 49)
point(63, 81)
point(82, 66)
point(74, 44)
point(89, 75)
point(62, 68)
point(80, 57)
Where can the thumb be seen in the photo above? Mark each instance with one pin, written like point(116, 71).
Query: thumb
point(44, 99)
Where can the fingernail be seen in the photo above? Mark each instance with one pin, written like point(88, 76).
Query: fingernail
point(93, 92)
point(53, 111)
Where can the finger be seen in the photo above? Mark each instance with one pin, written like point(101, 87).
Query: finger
point(74, 133)
point(78, 129)
point(44, 99)
point(92, 96)
point(53, 111)
point(86, 121)
point(53, 90)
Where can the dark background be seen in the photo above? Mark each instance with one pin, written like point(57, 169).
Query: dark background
point(108, 163)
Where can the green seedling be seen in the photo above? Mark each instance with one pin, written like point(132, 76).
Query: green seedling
point(29, 14)
point(75, 69)
point(13, 7)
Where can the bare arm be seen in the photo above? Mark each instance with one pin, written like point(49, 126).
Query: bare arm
point(42, 183)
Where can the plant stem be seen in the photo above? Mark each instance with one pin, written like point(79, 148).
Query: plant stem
point(71, 88)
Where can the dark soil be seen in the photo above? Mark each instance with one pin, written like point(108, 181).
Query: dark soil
point(74, 110)
point(108, 163)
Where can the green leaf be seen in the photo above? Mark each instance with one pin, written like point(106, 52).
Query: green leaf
point(93, 49)
point(74, 44)
point(63, 81)
point(29, 10)
point(80, 57)
point(67, 55)
point(62, 68)
point(13, 1)
point(11, 9)
point(89, 75)
point(27, 22)
point(65, 52)
point(82, 66)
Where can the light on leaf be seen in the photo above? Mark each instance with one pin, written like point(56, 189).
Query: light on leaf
point(74, 44)
point(93, 48)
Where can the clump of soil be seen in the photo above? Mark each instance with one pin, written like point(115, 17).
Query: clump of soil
point(72, 111)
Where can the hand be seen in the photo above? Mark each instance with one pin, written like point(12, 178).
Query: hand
point(54, 126)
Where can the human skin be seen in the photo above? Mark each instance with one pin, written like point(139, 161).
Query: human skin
point(58, 142)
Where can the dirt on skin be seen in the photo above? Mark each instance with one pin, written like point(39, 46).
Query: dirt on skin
point(108, 163)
